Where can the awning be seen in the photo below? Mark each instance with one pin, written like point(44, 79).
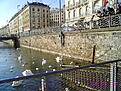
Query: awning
point(95, 18)
point(88, 19)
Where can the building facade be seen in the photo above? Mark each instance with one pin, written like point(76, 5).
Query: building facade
point(32, 16)
point(55, 17)
point(5, 30)
point(83, 10)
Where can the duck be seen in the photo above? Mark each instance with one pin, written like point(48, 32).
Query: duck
point(27, 72)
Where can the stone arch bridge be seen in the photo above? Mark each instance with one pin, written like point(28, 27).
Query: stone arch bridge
point(14, 38)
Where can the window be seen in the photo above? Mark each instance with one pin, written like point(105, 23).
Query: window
point(69, 14)
point(43, 20)
point(43, 15)
point(68, 3)
point(80, 1)
point(80, 13)
point(44, 26)
point(43, 10)
point(38, 20)
point(74, 13)
point(86, 10)
point(33, 9)
point(47, 15)
point(73, 2)
point(38, 10)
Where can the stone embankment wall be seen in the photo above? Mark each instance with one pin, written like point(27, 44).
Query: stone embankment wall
point(79, 44)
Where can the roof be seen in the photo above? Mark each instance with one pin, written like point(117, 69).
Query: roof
point(37, 3)
point(26, 5)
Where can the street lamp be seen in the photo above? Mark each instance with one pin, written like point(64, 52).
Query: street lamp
point(60, 14)
point(18, 20)
point(61, 32)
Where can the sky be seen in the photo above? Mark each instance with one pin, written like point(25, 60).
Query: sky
point(9, 7)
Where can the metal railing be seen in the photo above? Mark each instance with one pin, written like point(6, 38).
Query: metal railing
point(108, 21)
point(40, 31)
point(103, 22)
point(105, 76)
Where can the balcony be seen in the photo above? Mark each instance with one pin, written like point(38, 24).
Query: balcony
point(78, 4)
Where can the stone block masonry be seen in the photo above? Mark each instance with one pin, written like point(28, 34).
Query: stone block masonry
point(79, 44)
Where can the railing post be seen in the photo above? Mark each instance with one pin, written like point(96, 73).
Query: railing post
point(110, 21)
point(42, 82)
point(119, 20)
point(93, 56)
point(113, 77)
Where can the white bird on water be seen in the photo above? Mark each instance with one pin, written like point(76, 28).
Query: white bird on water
point(37, 68)
point(27, 72)
point(54, 70)
point(71, 63)
point(16, 83)
point(49, 66)
point(12, 67)
point(44, 61)
point(58, 59)
point(20, 58)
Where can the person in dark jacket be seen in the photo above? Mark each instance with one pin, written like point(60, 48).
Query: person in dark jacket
point(118, 11)
point(110, 11)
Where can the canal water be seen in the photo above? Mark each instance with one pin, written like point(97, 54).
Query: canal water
point(11, 66)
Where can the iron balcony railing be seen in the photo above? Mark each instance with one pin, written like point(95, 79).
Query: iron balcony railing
point(105, 76)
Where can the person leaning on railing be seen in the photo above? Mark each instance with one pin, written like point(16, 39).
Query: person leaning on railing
point(118, 11)
point(110, 11)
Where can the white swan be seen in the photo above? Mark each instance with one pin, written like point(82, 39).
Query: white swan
point(11, 70)
point(37, 68)
point(23, 65)
point(33, 62)
point(27, 72)
point(49, 66)
point(12, 67)
point(20, 58)
point(44, 61)
point(54, 70)
point(16, 83)
point(58, 59)
point(71, 63)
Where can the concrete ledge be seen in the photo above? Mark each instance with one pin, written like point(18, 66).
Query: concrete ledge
point(61, 54)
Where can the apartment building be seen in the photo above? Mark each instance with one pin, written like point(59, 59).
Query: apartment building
point(84, 10)
point(4, 30)
point(32, 16)
point(55, 17)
